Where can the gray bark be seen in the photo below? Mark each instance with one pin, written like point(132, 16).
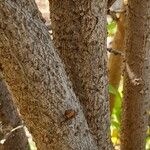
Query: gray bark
point(10, 120)
point(79, 33)
point(38, 81)
point(136, 82)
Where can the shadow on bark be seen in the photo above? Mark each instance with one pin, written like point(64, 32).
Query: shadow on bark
point(12, 134)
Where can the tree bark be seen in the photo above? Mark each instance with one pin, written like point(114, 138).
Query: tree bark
point(115, 63)
point(38, 81)
point(10, 120)
point(136, 82)
point(79, 34)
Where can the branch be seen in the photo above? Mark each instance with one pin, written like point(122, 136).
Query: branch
point(115, 52)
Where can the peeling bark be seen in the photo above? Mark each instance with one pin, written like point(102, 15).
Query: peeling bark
point(38, 81)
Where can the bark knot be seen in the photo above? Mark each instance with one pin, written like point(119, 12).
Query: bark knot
point(70, 114)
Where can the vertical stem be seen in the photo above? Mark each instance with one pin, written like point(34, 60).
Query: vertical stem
point(136, 86)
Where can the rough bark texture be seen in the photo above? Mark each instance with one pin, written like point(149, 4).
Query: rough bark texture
point(115, 65)
point(136, 83)
point(79, 33)
point(10, 119)
point(38, 81)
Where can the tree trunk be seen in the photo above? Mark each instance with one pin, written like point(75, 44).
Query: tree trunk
point(10, 121)
point(38, 81)
point(79, 34)
point(115, 65)
point(136, 82)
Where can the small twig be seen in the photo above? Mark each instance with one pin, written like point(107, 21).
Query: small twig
point(9, 133)
point(115, 52)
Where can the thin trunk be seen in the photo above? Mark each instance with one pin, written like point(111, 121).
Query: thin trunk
point(136, 86)
point(79, 34)
point(38, 81)
point(10, 119)
point(115, 65)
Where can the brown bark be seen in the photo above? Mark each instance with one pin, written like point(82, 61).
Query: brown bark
point(136, 82)
point(38, 81)
point(115, 65)
point(10, 119)
point(79, 34)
